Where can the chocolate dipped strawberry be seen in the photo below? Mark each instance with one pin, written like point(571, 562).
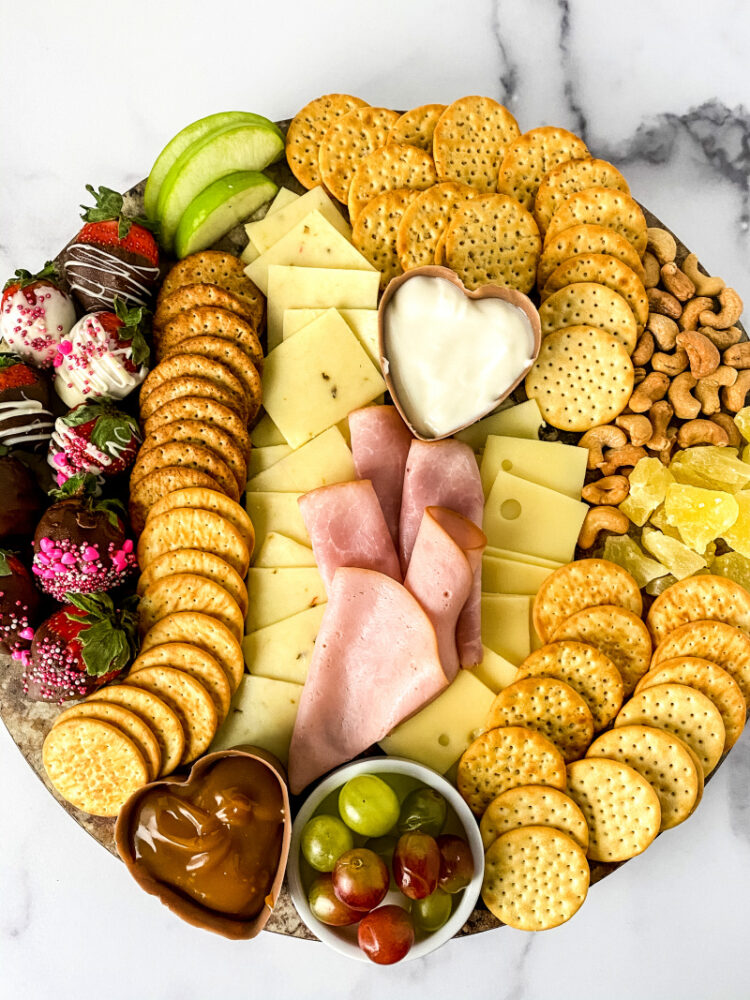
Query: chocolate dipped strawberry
point(81, 544)
point(114, 254)
point(25, 418)
point(93, 437)
point(78, 649)
point(22, 500)
point(19, 604)
point(35, 314)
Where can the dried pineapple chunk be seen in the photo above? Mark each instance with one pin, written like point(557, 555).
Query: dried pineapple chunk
point(738, 536)
point(734, 566)
point(621, 549)
point(649, 481)
point(711, 468)
point(742, 420)
point(700, 515)
point(676, 556)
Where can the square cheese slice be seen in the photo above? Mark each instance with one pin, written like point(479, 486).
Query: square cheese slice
point(492, 550)
point(278, 221)
point(264, 458)
point(283, 198)
point(262, 714)
point(276, 512)
point(495, 671)
point(283, 650)
point(316, 378)
point(521, 421)
point(508, 576)
point(316, 288)
point(324, 460)
point(278, 550)
point(266, 433)
point(505, 625)
point(275, 594)
point(530, 518)
point(560, 467)
point(363, 323)
point(439, 733)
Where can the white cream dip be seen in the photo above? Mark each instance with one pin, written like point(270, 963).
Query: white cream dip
point(451, 357)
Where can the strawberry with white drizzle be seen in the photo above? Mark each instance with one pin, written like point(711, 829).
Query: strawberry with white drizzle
point(35, 315)
point(93, 437)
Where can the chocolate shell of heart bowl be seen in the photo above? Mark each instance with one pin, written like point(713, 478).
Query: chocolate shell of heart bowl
point(144, 806)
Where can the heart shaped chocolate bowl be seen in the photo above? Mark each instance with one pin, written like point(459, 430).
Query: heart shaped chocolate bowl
point(214, 846)
point(450, 356)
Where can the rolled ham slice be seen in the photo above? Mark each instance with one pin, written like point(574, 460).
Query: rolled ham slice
point(347, 528)
point(380, 446)
point(442, 568)
point(375, 662)
point(445, 474)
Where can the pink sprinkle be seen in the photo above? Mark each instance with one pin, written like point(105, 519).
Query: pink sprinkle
point(45, 544)
point(68, 559)
point(26, 633)
point(90, 554)
point(16, 654)
point(127, 545)
point(57, 360)
point(47, 574)
point(43, 559)
point(65, 347)
point(56, 553)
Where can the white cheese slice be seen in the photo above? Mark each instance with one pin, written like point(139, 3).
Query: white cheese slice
point(266, 434)
point(262, 714)
point(507, 576)
point(263, 458)
point(324, 460)
point(277, 222)
point(276, 512)
point(278, 550)
point(505, 625)
point(274, 594)
point(363, 322)
point(521, 421)
point(560, 467)
point(492, 550)
point(283, 650)
point(495, 671)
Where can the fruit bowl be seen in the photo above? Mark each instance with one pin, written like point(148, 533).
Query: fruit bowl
point(407, 775)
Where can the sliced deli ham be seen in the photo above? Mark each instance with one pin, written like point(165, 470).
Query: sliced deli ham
point(347, 528)
point(380, 447)
point(375, 662)
point(442, 569)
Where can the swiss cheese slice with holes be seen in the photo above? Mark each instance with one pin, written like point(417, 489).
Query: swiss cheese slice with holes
point(559, 467)
point(521, 421)
point(262, 714)
point(283, 650)
point(274, 594)
point(495, 671)
point(278, 550)
point(512, 576)
point(276, 512)
point(279, 221)
point(493, 550)
point(363, 324)
point(505, 625)
point(321, 462)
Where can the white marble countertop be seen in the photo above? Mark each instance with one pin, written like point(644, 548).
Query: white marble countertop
point(91, 92)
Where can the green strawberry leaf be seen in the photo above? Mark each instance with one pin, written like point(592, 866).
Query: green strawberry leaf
point(108, 207)
point(5, 569)
point(82, 485)
point(23, 277)
point(105, 431)
point(10, 361)
point(134, 322)
point(114, 509)
point(108, 642)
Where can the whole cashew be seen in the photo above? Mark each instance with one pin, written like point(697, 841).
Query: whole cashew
point(653, 387)
point(664, 329)
point(670, 364)
point(661, 244)
point(726, 422)
point(738, 356)
point(651, 270)
point(637, 426)
point(733, 397)
point(704, 285)
point(620, 458)
point(686, 406)
point(722, 338)
point(707, 389)
point(731, 310)
point(609, 490)
point(643, 349)
point(601, 519)
point(662, 302)
point(704, 357)
point(660, 415)
point(665, 455)
point(692, 311)
point(595, 440)
point(701, 432)
point(677, 282)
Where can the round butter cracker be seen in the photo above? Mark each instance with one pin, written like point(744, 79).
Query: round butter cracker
point(306, 132)
point(470, 141)
point(533, 805)
point(531, 156)
point(588, 304)
point(570, 177)
point(725, 645)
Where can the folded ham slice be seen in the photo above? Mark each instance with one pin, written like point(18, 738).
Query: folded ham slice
point(347, 528)
point(445, 474)
point(375, 662)
point(380, 446)
point(442, 568)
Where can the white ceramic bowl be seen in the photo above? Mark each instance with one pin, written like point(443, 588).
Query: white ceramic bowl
point(344, 939)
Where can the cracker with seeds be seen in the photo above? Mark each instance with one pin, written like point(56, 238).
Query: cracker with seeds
point(505, 758)
point(205, 434)
point(725, 645)
point(201, 293)
point(194, 661)
point(581, 378)
point(601, 206)
point(205, 409)
point(416, 127)
point(348, 140)
point(588, 304)
point(533, 805)
point(189, 455)
point(201, 563)
point(616, 632)
point(698, 598)
point(425, 220)
point(192, 528)
point(202, 499)
point(585, 237)
point(154, 711)
point(394, 166)
point(682, 711)
point(222, 270)
point(375, 232)
point(203, 631)
point(189, 592)
point(127, 722)
point(188, 699)
point(306, 132)
point(195, 386)
point(182, 365)
point(531, 156)
point(470, 140)
point(150, 490)
point(208, 321)
point(569, 178)
point(535, 878)
point(602, 269)
point(235, 359)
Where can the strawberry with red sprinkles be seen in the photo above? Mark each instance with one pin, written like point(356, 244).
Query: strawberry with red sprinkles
point(35, 315)
point(93, 437)
point(19, 604)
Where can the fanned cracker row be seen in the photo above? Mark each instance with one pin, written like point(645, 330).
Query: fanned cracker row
point(533, 805)
point(127, 722)
point(163, 722)
point(233, 357)
point(349, 139)
point(209, 435)
point(470, 141)
point(698, 598)
point(188, 528)
point(416, 127)
point(185, 454)
point(602, 207)
point(306, 132)
point(149, 491)
point(375, 232)
point(189, 592)
point(216, 269)
point(188, 699)
point(602, 270)
point(425, 221)
point(394, 166)
point(207, 410)
point(589, 304)
point(585, 238)
point(210, 500)
point(531, 156)
point(569, 178)
point(201, 563)
point(725, 645)
point(204, 631)
point(209, 321)
point(194, 661)
point(190, 297)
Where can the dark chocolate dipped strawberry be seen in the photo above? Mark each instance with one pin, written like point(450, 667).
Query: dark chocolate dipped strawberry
point(78, 649)
point(25, 418)
point(114, 254)
point(35, 314)
point(21, 500)
point(81, 544)
point(93, 437)
point(19, 604)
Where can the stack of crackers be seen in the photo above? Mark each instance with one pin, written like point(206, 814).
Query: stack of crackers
point(550, 792)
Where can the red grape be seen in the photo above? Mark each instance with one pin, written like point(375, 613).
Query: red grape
point(416, 864)
point(327, 908)
point(385, 935)
point(360, 879)
point(456, 863)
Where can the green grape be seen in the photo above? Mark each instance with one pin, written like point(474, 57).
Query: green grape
point(423, 809)
point(324, 840)
point(368, 806)
point(429, 914)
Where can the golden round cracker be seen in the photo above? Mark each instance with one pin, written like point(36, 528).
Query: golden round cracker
point(192, 528)
point(348, 140)
point(425, 221)
point(662, 759)
point(491, 239)
point(602, 269)
point(547, 706)
point(581, 378)
point(709, 679)
point(154, 711)
point(188, 699)
point(618, 633)
point(181, 365)
point(567, 179)
point(233, 358)
point(586, 669)
point(224, 271)
point(93, 765)
point(203, 631)
point(585, 583)
point(470, 140)
point(622, 810)
point(533, 805)
point(209, 500)
point(192, 385)
point(699, 771)
point(504, 758)
point(201, 563)
point(392, 167)
point(306, 132)
point(189, 592)
point(194, 661)
point(209, 321)
point(207, 410)
point(699, 598)
point(588, 304)
point(584, 238)
point(531, 156)
point(201, 293)
point(535, 878)
point(153, 487)
point(725, 645)
point(416, 127)
point(375, 232)
point(189, 455)
point(440, 248)
point(682, 711)
point(602, 206)
point(202, 433)
point(127, 722)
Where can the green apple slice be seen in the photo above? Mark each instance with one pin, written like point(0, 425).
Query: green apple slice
point(219, 208)
point(236, 147)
